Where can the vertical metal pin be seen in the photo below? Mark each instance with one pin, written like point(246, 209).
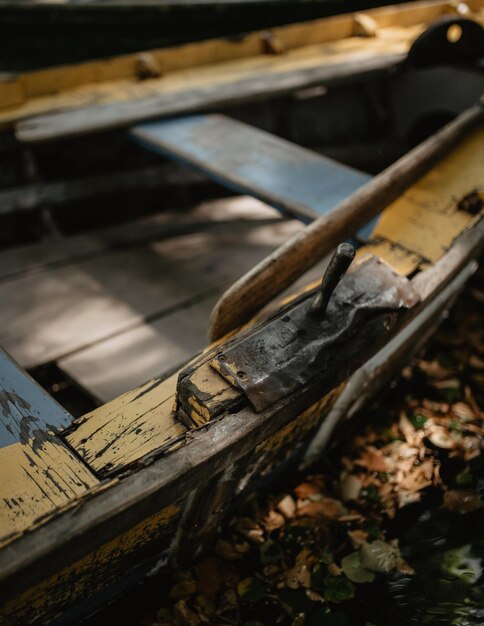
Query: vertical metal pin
point(340, 262)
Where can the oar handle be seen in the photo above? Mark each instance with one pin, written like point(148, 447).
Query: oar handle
point(280, 269)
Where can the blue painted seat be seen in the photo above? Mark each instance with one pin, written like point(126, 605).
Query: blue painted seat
point(24, 406)
point(294, 180)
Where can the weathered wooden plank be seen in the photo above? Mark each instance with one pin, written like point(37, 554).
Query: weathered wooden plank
point(121, 432)
point(114, 365)
point(209, 261)
point(115, 79)
point(38, 257)
point(48, 316)
point(425, 219)
point(277, 271)
point(114, 566)
point(228, 86)
point(198, 76)
point(39, 473)
point(16, 89)
point(293, 179)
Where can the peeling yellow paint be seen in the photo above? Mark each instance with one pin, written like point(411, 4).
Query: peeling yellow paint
point(324, 41)
point(201, 410)
point(129, 427)
point(425, 219)
point(37, 481)
point(94, 572)
point(401, 260)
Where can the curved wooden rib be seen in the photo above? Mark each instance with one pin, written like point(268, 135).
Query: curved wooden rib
point(280, 269)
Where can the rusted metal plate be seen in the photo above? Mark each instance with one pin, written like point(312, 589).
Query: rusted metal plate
point(296, 349)
point(294, 180)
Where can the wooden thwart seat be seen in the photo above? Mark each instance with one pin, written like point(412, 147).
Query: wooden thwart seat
point(290, 178)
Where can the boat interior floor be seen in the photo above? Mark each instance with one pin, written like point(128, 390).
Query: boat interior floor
point(116, 307)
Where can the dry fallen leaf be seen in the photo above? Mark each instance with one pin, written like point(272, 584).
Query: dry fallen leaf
point(328, 507)
point(358, 537)
point(250, 529)
point(300, 575)
point(273, 521)
point(287, 507)
point(372, 459)
point(350, 487)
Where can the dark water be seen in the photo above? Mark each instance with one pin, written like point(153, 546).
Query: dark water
point(447, 552)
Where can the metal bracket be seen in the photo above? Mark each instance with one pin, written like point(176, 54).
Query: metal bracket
point(452, 39)
point(295, 348)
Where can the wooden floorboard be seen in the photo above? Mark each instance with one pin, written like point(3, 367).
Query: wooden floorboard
point(117, 319)
point(129, 359)
point(43, 256)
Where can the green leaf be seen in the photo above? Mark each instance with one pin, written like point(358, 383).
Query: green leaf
point(418, 420)
point(354, 570)
point(270, 552)
point(370, 493)
point(251, 589)
point(378, 556)
point(338, 589)
point(465, 478)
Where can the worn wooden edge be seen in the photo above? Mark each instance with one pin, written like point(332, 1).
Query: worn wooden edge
point(96, 118)
point(275, 273)
point(206, 452)
point(15, 87)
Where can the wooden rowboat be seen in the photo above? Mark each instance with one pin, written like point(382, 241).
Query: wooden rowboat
point(90, 505)
point(92, 502)
point(344, 86)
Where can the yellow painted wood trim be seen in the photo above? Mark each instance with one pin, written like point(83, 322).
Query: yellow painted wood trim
point(127, 428)
point(394, 41)
point(36, 481)
point(116, 79)
point(400, 259)
point(92, 573)
point(52, 80)
point(425, 219)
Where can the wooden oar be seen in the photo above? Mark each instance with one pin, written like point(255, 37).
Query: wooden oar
point(280, 269)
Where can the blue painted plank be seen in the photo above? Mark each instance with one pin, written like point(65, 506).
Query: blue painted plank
point(292, 179)
point(25, 408)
